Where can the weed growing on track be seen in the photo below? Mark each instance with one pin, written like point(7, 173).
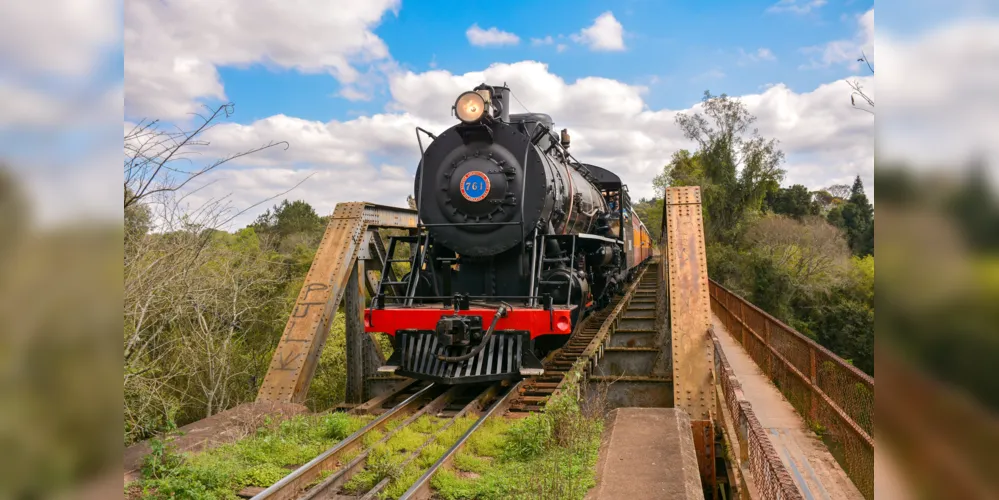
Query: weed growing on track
point(388, 460)
point(550, 455)
point(257, 460)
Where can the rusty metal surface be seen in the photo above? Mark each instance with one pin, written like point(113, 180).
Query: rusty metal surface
point(689, 303)
point(633, 339)
point(353, 310)
point(704, 448)
point(294, 362)
point(595, 350)
point(627, 361)
point(824, 389)
point(633, 392)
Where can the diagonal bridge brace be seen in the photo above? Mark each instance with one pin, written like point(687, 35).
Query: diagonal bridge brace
point(332, 276)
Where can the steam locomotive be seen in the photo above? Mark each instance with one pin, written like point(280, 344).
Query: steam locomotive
point(517, 243)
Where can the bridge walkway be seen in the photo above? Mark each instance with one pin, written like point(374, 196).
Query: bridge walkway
point(812, 467)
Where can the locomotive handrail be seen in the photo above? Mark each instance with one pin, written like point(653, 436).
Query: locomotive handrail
point(419, 194)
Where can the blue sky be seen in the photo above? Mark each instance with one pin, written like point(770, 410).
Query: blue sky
point(345, 82)
point(286, 63)
point(676, 49)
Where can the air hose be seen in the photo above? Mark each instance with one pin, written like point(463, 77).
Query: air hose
point(501, 312)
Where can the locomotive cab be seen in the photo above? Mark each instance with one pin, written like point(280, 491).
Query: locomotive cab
point(517, 242)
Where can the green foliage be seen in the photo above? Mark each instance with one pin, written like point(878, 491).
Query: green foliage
point(844, 318)
point(260, 459)
point(795, 201)
point(651, 213)
point(975, 208)
point(471, 463)
point(289, 218)
point(528, 438)
point(856, 219)
point(545, 455)
point(138, 218)
point(329, 385)
point(784, 249)
point(736, 169)
point(204, 311)
point(161, 460)
point(339, 426)
point(490, 439)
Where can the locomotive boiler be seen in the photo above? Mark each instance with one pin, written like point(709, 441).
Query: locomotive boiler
point(517, 242)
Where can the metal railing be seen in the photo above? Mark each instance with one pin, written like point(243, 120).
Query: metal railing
point(835, 398)
point(773, 482)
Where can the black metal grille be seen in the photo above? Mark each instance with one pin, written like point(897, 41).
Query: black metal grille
point(499, 360)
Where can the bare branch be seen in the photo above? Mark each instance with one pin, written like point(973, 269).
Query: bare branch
point(858, 90)
point(150, 151)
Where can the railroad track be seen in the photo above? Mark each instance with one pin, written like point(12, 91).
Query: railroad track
point(586, 344)
point(329, 475)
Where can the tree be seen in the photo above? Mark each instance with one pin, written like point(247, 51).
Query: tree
point(840, 191)
point(975, 208)
point(843, 319)
point(191, 293)
point(831, 197)
point(289, 218)
point(651, 213)
point(809, 252)
point(795, 201)
point(858, 220)
point(734, 166)
point(684, 169)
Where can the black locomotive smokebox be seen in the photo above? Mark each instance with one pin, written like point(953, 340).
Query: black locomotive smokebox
point(471, 191)
point(477, 188)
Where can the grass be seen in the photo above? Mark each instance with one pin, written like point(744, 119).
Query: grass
point(260, 459)
point(551, 455)
point(389, 459)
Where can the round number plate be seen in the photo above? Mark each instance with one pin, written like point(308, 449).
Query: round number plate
point(475, 186)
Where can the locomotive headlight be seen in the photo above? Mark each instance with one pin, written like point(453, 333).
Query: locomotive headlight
point(470, 107)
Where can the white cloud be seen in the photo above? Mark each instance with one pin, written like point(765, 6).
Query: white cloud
point(938, 100)
point(796, 7)
point(759, 55)
point(173, 49)
point(374, 158)
point(548, 40)
point(490, 37)
point(57, 106)
point(561, 47)
point(58, 37)
point(846, 51)
point(23, 106)
point(605, 34)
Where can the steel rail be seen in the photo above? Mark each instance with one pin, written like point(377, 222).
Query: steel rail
point(475, 405)
point(369, 405)
point(421, 489)
point(344, 474)
point(289, 486)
